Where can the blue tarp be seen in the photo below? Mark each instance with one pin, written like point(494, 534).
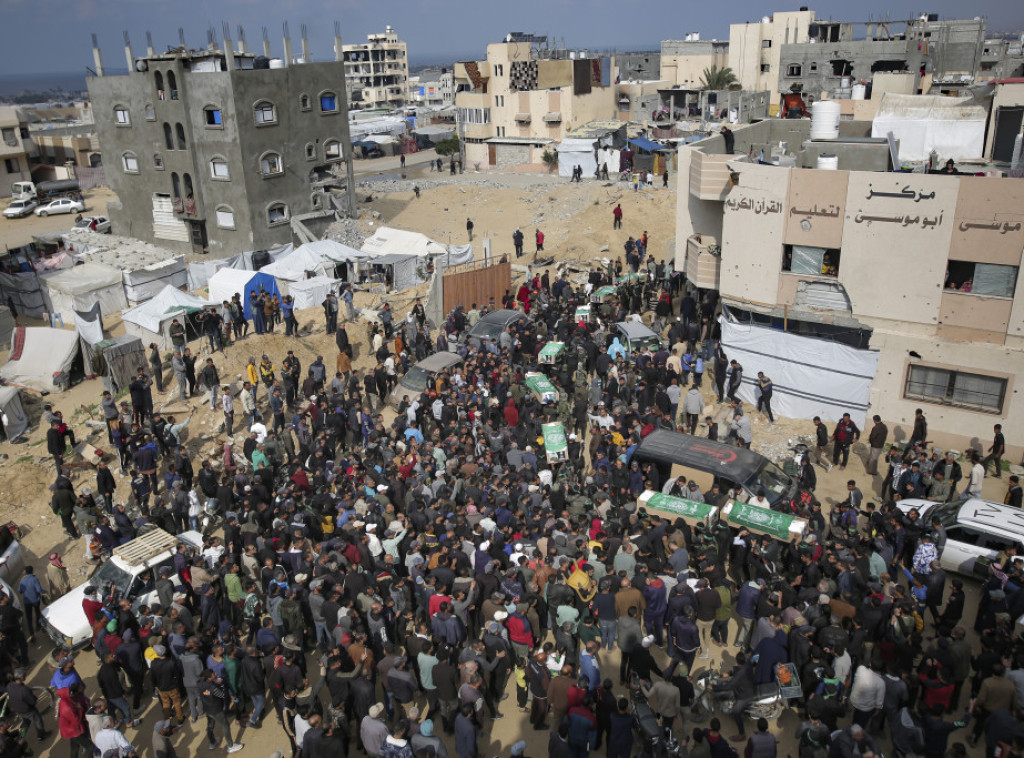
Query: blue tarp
point(260, 281)
point(647, 145)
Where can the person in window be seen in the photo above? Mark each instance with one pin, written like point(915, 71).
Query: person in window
point(827, 268)
point(949, 168)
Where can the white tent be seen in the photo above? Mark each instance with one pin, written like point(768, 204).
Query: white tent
point(312, 292)
point(405, 269)
point(390, 241)
point(316, 258)
point(350, 263)
point(12, 413)
point(81, 287)
point(952, 127)
point(38, 355)
point(577, 152)
point(151, 321)
point(225, 283)
point(146, 268)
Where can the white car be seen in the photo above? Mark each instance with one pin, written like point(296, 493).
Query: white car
point(131, 572)
point(975, 529)
point(12, 558)
point(102, 224)
point(19, 208)
point(60, 205)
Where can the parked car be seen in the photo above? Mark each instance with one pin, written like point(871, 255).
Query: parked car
point(976, 530)
point(635, 336)
point(102, 224)
point(12, 558)
point(19, 208)
point(491, 325)
point(130, 572)
point(60, 205)
point(415, 379)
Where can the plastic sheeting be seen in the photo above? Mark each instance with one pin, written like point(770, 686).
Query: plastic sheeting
point(44, 352)
point(151, 320)
point(143, 283)
point(118, 359)
point(390, 241)
point(405, 269)
point(199, 272)
point(14, 419)
point(25, 292)
point(811, 377)
point(309, 257)
point(576, 152)
point(952, 127)
point(312, 292)
point(79, 288)
point(6, 326)
point(89, 326)
point(225, 283)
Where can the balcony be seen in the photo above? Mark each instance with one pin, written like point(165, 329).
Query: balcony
point(703, 261)
point(710, 177)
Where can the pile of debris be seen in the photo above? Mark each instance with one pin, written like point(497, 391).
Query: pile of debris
point(347, 232)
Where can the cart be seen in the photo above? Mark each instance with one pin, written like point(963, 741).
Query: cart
point(786, 672)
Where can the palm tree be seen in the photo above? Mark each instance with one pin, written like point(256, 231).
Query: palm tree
point(716, 78)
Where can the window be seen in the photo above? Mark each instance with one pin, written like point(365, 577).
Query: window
point(304, 102)
point(158, 80)
point(813, 68)
point(981, 278)
point(212, 115)
point(11, 164)
point(219, 168)
point(957, 388)
point(10, 137)
point(168, 136)
point(264, 113)
point(172, 85)
point(963, 535)
point(270, 164)
point(328, 102)
point(150, 112)
point(765, 43)
point(225, 217)
point(277, 214)
point(130, 163)
point(794, 69)
point(332, 150)
point(473, 115)
point(121, 117)
point(310, 151)
point(158, 162)
point(765, 68)
point(179, 130)
point(810, 261)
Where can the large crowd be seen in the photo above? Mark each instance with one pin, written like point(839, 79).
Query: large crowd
point(387, 587)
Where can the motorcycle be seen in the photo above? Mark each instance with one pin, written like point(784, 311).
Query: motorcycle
point(713, 692)
point(656, 739)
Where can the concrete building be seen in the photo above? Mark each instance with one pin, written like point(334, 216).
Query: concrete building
point(15, 147)
point(1006, 120)
point(919, 274)
point(683, 61)
point(755, 48)
point(433, 90)
point(524, 97)
point(218, 151)
point(58, 145)
point(377, 72)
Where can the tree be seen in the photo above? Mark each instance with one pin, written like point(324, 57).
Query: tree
point(447, 147)
point(550, 158)
point(716, 78)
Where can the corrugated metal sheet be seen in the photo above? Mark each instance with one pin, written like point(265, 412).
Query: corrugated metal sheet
point(476, 283)
point(823, 296)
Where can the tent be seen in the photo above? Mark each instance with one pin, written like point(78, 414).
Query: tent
point(6, 326)
point(146, 268)
point(118, 359)
point(405, 269)
point(577, 152)
point(312, 292)
point(151, 321)
point(227, 282)
point(38, 355)
point(952, 127)
point(199, 272)
point(388, 240)
point(350, 263)
point(79, 288)
point(24, 291)
point(12, 413)
point(89, 327)
point(311, 258)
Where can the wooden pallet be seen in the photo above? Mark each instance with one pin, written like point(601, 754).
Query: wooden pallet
point(141, 549)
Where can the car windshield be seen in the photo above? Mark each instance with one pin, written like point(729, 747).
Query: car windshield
point(111, 575)
point(774, 480)
point(946, 513)
point(83, 223)
point(416, 379)
point(488, 331)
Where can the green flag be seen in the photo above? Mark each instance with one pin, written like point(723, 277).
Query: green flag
point(763, 520)
point(556, 447)
point(550, 352)
point(689, 509)
point(542, 387)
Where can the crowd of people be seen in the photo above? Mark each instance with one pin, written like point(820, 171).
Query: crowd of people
point(387, 586)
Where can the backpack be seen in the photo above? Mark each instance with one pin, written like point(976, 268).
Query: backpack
point(169, 439)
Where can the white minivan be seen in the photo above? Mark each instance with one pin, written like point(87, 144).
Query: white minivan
point(975, 528)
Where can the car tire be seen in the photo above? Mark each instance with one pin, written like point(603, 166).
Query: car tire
point(43, 214)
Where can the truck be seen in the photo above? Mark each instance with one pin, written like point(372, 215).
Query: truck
point(44, 190)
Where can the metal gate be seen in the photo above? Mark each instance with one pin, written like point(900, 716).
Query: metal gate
point(476, 282)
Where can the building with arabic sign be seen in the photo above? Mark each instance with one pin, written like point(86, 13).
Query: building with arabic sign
point(859, 289)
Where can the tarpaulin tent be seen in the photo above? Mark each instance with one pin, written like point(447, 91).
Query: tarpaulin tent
point(146, 268)
point(312, 292)
point(388, 240)
point(118, 359)
point(151, 321)
point(227, 282)
point(6, 326)
point(38, 355)
point(12, 413)
point(24, 291)
point(78, 288)
point(811, 377)
point(952, 127)
point(404, 269)
point(350, 263)
point(577, 152)
point(306, 259)
point(89, 326)
point(199, 272)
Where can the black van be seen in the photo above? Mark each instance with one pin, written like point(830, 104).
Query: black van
point(729, 466)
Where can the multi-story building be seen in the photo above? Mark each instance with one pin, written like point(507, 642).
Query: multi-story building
point(525, 96)
point(377, 72)
point(433, 91)
point(683, 61)
point(755, 48)
point(217, 150)
point(15, 148)
point(875, 292)
point(59, 145)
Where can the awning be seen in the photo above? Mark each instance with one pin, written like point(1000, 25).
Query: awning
point(553, 116)
point(646, 145)
point(523, 118)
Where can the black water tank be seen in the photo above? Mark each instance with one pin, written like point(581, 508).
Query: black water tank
point(260, 258)
point(803, 7)
point(812, 31)
point(261, 62)
point(933, 16)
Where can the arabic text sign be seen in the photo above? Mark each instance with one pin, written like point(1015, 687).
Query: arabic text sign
point(897, 200)
point(988, 226)
point(816, 208)
point(689, 510)
point(764, 521)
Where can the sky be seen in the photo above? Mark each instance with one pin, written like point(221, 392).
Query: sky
point(51, 36)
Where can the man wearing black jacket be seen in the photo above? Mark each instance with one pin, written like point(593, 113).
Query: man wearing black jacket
point(167, 682)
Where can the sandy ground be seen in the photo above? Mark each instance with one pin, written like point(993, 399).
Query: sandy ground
point(15, 232)
point(576, 220)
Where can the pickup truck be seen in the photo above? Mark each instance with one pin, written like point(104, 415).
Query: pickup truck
point(131, 572)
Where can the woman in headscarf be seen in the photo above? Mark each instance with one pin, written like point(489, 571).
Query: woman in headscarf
point(57, 577)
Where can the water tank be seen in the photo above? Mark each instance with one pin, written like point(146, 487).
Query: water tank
point(276, 63)
point(825, 119)
point(845, 82)
point(828, 162)
point(859, 91)
point(261, 62)
point(261, 258)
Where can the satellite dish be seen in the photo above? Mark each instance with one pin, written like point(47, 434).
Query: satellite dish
point(141, 65)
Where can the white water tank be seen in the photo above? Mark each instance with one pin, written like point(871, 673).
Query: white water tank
point(276, 63)
point(859, 92)
point(825, 119)
point(828, 162)
point(845, 82)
